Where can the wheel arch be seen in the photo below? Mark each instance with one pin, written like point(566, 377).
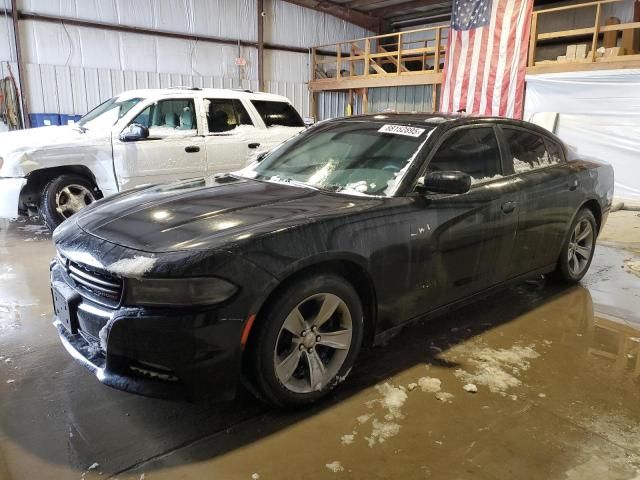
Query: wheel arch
point(349, 267)
point(37, 179)
point(594, 206)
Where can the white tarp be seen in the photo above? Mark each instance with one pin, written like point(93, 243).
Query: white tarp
point(599, 116)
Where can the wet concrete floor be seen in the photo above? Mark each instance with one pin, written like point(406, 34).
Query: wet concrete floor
point(557, 372)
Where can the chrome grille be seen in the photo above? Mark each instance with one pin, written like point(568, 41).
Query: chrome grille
point(96, 283)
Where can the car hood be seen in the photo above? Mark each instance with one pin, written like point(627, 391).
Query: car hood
point(19, 149)
point(189, 216)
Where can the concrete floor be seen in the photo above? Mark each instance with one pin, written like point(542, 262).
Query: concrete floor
point(557, 372)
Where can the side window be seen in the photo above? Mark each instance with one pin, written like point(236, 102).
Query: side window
point(471, 150)
point(528, 150)
point(169, 117)
point(278, 113)
point(555, 151)
point(225, 114)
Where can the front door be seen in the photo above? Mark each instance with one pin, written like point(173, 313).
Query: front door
point(174, 150)
point(462, 242)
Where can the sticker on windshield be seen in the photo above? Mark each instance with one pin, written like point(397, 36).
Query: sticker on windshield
point(402, 130)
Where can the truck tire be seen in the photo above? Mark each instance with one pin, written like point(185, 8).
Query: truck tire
point(65, 195)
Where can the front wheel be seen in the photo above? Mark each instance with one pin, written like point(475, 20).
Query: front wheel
point(307, 342)
point(577, 252)
point(64, 196)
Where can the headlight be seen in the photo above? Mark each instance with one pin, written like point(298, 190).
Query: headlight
point(178, 291)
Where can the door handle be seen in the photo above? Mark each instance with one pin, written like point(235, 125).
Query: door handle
point(573, 184)
point(508, 207)
point(192, 149)
point(254, 145)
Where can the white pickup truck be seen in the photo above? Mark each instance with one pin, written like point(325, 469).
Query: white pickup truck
point(138, 137)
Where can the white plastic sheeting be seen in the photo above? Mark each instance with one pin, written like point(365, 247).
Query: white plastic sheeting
point(599, 116)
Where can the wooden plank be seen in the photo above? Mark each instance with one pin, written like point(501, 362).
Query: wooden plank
point(596, 31)
point(367, 55)
point(339, 61)
point(399, 62)
point(533, 38)
point(610, 38)
point(576, 6)
point(436, 67)
point(377, 81)
point(616, 63)
point(566, 33)
point(620, 26)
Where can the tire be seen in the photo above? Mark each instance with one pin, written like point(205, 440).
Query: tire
point(280, 360)
point(65, 195)
point(577, 252)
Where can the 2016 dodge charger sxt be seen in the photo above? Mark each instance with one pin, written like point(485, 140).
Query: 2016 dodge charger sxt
point(280, 273)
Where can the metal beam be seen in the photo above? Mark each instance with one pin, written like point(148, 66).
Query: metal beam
point(21, 80)
point(402, 8)
point(261, 45)
point(364, 20)
point(363, 3)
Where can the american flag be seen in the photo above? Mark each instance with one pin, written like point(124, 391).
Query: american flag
point(487, 57)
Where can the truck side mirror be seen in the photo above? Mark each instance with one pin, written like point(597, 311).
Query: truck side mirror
point(134, 132)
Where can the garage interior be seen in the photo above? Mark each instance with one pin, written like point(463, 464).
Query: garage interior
point(556, 368)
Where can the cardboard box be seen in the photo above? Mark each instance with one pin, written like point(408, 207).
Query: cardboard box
point(581, 52)
point(571, 52)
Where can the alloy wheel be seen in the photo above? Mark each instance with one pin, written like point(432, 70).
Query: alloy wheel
point(73, 198)
point(313, 343)
point(580, 247)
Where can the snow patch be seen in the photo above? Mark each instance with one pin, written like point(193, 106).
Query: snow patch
point(348, 438)
point(475, 180)
point(255, 476)
point(362, 419)
point(497, 368)
point(444, 397)
point(393, 399)
point(335, 466)
point(412, 386)
point(382, 431)
point(134, 267)
point(103, 335)
point(471, 388)
point(634, 266)
point(429, 384)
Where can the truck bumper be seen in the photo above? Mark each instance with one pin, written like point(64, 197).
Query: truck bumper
point(10, 189)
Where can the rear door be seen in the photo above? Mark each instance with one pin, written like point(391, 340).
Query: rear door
point(462, 243)
point(173, 151)
point(231, 135)
point(547, 197)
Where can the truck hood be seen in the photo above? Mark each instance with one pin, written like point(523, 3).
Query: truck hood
point(185, 216)
point(22, 150)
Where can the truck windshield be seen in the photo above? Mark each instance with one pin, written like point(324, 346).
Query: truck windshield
point(358, 158)
point(108, 113)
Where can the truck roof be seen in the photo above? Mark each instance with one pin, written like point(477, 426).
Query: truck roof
point(203, 92)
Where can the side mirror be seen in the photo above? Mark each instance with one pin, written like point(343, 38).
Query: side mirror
point(308, 121)
point(446, 182)
point(134, 132)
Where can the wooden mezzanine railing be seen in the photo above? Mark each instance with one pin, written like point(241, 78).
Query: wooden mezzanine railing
point(402, 58)
point(600, 36)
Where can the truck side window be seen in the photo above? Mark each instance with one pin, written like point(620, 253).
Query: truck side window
point(225, 114)
point(169, 117)
point(278, 113)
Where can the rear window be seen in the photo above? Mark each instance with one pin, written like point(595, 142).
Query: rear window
point(528, 150)
point(278, 113)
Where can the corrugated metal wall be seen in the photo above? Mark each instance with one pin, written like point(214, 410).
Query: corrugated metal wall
point(416, 98)
point(71, 69)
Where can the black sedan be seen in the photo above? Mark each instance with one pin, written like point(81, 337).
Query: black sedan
point(280, 273)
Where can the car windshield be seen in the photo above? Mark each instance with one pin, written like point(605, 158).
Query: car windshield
point(364, 158)
point(108, 113)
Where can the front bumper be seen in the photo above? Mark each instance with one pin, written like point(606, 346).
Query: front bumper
point(167, 353)
point(10, 189)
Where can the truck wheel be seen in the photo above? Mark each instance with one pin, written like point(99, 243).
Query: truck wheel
point(65, 195)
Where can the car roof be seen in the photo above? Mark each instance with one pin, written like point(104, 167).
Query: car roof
point(203, 92)
point(448, 120)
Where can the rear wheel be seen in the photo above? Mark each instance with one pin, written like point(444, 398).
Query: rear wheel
point(307, 342)
point(64, 196)
point(577, 252)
